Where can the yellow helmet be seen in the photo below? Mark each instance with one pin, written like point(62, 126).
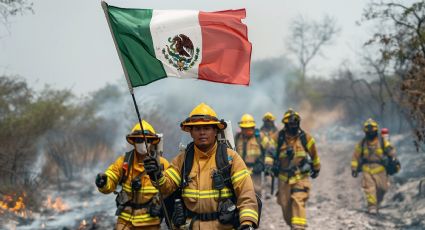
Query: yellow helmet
point(247, 121)
point(202, 114)
point(268, 117)
point(136, 133)
point(288, 114)
point(370, 123)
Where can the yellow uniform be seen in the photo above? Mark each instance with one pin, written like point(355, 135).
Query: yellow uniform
point(294, 187)
point(375, 181)
point(200, 197)
point(133, 217)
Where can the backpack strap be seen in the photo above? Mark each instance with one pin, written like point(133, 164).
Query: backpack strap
point(303, 138)
point(187, 164)
point(222, 162)
point(280, 140)
point(258, 139)
point(128, 159)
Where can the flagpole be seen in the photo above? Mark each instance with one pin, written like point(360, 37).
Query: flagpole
point(130, 88)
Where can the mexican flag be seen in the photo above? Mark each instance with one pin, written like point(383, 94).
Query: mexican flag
point(155, 44)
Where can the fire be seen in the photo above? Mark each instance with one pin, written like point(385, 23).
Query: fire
point(15, 206)
point(57, 205)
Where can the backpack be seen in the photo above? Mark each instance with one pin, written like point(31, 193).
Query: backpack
point(223, 166)
point(391, 165)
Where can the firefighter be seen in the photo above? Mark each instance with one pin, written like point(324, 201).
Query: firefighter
point(138, 205)
point(267, 131)
point(296, 159)
point(211, 184)
point(248, 145)
point(376, 158)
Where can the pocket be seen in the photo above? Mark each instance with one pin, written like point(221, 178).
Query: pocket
point(191, 192)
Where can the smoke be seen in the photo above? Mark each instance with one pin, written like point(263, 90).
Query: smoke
point(316, 120)
point(171, 100)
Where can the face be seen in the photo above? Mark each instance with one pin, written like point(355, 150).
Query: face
point(268, 123)
point(204, 136)
point(247, 131)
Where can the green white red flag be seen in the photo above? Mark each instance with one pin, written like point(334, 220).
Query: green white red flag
point(155, 44)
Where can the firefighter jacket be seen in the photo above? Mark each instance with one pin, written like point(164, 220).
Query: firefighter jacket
point(200, 197)
point(299, 154)
point(138, 217)
point(269, 144)
point(248, 148)
point(368, 155)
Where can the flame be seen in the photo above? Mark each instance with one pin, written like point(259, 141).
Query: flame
point(82, 225)
point(57, 205)
point(94, 221)
point(17, 207)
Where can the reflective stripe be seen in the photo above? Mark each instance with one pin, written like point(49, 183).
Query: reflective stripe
point(316, 161)
point(175, 176)
point(310, 143)
point(300, 154)
point(204, 194)
point(298, 221)
point(297, 177)
point(268, 160)
point(283, 155)
point(161, 180)
point(144, 189)
point(139, 218)
point(354, 164)
point(376, 170)
point(248, 213)
point(379, 152)
point(112, 176)
point(239, 175)
point(371, 199)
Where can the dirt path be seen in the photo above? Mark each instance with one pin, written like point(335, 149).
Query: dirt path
point(336, 201)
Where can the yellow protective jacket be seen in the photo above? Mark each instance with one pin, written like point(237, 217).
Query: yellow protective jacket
point(269, 144)
point(373, 151)
point(299, 155)
point(138, 217)
point(253, 148)
point(200, 197)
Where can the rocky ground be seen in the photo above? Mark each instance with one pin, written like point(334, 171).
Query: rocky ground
point(336, 200)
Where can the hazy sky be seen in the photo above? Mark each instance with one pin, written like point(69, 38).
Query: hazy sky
point(67, 44)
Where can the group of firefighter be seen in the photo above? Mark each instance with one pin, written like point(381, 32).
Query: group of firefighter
point(209, 185)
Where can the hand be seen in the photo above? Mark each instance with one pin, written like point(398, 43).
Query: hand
point(152, 168)
point(268, 170)
point(354, 173)
point(101, 179)
point(314, 173)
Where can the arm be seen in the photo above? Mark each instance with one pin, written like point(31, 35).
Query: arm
point(171, 178)
point(355, 159)
point(312, 151)
point(244, 190)
point(113, 173)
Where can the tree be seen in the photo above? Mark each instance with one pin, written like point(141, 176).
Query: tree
point(308, 38)
point(10, 8)
point(402, 45)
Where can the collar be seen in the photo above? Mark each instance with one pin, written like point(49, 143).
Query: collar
point(208, 153)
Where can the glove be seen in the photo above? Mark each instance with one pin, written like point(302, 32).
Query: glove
point(354, 173)
point(101, 179)
point(246, 227)
point(152, 168)
point(314, 173)
point(268, 170)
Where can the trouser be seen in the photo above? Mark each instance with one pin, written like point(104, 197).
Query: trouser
point(127, 225)
point(374, 186)
point(256, 179)
point(292, 199)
